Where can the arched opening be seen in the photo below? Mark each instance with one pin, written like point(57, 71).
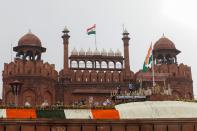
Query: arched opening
point(118, 65)
point(38, 56)
point(9, 98)
point(20, 54)
point(29, 96)
point(97, 64)
point(169, 59)
point(29, 55)
point(81, 64)
point(103, 64)
point(160, 59)
point(74, 64)
point(48, 97)
point(111, 65)
point(89, 64)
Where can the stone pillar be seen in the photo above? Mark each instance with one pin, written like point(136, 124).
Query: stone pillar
point(65, 37)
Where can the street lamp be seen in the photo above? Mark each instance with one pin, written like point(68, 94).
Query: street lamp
point(15, 88)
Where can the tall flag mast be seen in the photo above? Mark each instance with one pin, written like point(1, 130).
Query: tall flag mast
point(92, 30)
point(11, 52)
point(153, 71)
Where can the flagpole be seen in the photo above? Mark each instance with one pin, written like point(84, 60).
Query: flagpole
point(11, 53)
point(153, 72)
point(95, 41)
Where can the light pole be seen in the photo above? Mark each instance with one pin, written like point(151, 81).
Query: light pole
point(15, 88)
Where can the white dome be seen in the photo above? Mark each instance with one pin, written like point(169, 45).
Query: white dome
point(117, 53)
point(110, 53)
point(74, 52)
point(81, 52)
point(96, 52)
point(104, 52)
point(89, 52)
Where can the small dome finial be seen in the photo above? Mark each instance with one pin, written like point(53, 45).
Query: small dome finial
point(163, 36)
point(29, 31)
point(125, 31)
point(65, 30)
point(125, 34)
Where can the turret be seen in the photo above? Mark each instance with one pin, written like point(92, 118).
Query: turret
point(29, 47)
point(165, 51)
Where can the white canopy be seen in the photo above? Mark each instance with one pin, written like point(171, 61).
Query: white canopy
point(157, 109)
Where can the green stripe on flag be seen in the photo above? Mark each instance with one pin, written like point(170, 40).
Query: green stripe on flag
point(91, 32)
point(145, 68)
point(57, 114)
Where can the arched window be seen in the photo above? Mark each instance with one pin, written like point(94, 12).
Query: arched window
point(48, 97)
point(160, 59)
point(74, 64)
point(118, 65)
point(30, 97)
point(111, 64)
point(81, 64)
point(103, 64)
point(89, 64)
point(97, 64)
point(29, 55)
point(169, 59)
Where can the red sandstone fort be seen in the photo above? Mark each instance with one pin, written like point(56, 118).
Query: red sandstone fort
point(91, 73)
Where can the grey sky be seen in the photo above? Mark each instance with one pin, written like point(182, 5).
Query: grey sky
point(146, 21)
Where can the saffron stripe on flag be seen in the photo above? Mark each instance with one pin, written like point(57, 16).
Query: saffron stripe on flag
point(94, 26)
point(148, 55)
point(21, 113)
point(105, 114)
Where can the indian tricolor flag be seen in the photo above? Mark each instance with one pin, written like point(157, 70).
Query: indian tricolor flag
point(91, 30)
point(148, 59)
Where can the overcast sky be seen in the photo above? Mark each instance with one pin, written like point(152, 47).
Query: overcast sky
point(145, 20)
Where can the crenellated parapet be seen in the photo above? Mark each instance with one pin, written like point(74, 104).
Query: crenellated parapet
point(93, 76)
point(30, 68)
point(177, 71)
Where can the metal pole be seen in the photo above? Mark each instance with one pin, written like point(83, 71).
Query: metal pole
point(11, 53)
point(95, 41)
point(153, 72)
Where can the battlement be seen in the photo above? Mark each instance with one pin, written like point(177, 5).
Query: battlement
point(174, 70)
point(96, 76)
point(164, 71)
point(30, 68)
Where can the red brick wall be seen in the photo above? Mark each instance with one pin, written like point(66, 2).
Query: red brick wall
point(100, 125)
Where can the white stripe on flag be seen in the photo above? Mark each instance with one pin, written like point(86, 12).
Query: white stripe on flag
point(78, 114)
point(2, 113)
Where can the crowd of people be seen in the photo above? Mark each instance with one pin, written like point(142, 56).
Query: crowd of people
point(148, 91)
